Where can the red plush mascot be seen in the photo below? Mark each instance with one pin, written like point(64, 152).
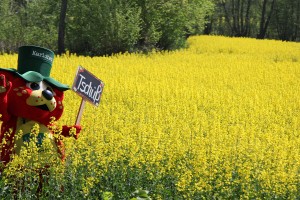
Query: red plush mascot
point(29, 96)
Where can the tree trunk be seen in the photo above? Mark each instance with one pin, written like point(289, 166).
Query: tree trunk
point(227, 16)
point(297, 24)
point(247, 20)
point(62, 27)
point(238, 19)
point(264, 22)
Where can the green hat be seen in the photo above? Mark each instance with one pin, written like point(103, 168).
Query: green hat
point(34, 65)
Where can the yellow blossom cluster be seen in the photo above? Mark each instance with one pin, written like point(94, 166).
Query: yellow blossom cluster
point(219, 119)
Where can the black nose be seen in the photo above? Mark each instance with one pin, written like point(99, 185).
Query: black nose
point(47, 94)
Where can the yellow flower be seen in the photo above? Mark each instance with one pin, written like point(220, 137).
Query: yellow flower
point(220, 117)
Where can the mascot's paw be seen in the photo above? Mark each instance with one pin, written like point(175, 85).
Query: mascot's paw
point(69, 131)
point(5, 85)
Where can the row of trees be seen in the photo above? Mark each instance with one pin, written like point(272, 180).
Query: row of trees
point(98, 27)
point(276, 19)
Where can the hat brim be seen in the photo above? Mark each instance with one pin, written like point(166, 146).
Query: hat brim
point(32, 76)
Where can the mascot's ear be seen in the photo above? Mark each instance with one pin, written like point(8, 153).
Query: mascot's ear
point(9, 76)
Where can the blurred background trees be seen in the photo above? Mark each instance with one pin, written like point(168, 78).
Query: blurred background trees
point(103, 27)
point(275, 19)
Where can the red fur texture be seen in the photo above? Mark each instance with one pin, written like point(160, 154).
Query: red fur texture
point(19, 100)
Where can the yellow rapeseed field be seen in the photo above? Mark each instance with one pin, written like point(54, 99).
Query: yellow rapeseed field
point(220, 119)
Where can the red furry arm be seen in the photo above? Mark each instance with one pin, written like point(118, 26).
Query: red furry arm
point(66, 131)
point(5, 86)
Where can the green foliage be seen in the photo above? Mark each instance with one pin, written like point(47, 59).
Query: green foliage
point(140, 195)
point(95, 27)
point(102, 27)
point(10, 23)
point(28, 22)
point(287, 19)
point(173, 26)
point(40, 19)
point(166, 24)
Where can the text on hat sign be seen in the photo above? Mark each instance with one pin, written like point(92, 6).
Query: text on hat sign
point(42, 55)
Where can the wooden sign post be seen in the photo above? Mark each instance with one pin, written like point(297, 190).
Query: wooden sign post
point(89, 87)
point(80, 111)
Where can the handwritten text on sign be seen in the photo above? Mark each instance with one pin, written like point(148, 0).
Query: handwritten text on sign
point(88, 86)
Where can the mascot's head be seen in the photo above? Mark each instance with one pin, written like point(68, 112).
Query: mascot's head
point(34, 94)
